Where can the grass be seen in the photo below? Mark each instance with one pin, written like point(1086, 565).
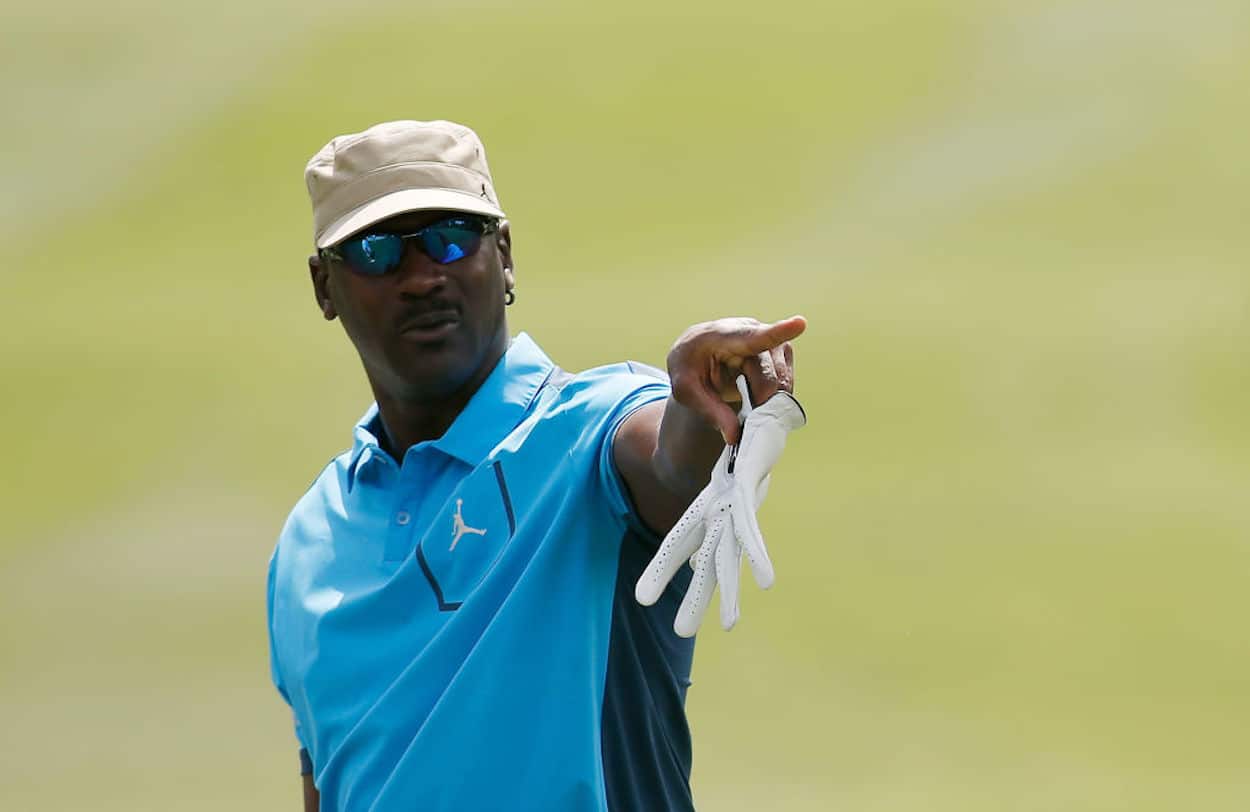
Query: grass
point(1008, 545)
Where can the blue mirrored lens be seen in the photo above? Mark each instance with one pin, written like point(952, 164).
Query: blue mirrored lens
point(374, 253)
point(447, 242)
point(444, 242)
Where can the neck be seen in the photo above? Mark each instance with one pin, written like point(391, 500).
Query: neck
point(411, 419)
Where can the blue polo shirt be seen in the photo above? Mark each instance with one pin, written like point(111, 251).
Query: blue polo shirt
point(459, 632)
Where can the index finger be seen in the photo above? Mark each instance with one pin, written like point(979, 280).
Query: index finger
point(765, 337)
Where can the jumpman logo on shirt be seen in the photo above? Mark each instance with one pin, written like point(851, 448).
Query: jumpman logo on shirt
point(459, 528)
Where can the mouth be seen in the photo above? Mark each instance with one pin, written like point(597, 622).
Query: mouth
point(430, 326)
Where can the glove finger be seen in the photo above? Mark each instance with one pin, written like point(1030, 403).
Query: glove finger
point(747, 529)
point(702, 585)
point(679, 545)
point(698, 596)
point(745, 393)
point(728, 566)
point(721, 483)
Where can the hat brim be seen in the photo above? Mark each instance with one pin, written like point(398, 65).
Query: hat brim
point(402, 202)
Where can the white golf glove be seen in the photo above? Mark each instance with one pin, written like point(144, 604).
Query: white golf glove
point(720, 525)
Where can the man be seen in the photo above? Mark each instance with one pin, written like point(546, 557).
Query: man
point(450, 604)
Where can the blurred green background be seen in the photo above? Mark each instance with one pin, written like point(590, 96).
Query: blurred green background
point(1011, 545)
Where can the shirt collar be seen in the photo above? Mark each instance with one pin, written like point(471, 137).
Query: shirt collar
point(494, 410)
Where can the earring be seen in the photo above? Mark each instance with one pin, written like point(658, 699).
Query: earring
point(509, 297)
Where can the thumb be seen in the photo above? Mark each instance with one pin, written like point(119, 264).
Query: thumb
point(709, 405)
point(701, 397)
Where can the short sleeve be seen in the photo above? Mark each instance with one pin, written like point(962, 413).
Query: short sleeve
point(275, 670)
point(646, 385)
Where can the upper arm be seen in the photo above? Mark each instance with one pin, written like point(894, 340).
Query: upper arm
point(658, 502)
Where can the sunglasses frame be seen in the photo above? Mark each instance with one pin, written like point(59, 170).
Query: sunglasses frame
point(488, 225)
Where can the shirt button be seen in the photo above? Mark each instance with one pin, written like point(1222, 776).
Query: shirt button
point(402, 517)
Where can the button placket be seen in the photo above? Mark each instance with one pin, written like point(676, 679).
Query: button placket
point(401, 535)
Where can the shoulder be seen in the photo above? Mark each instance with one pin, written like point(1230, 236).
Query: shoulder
point(585, 410)
point(600, 391)
point(309, 519)
point(305, 545)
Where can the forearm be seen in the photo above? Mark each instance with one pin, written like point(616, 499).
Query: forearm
point(686, 448)
point(312, 798)
point(666, 454)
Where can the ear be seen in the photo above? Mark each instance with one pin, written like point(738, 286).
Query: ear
point(321, 287)
point(503, 242)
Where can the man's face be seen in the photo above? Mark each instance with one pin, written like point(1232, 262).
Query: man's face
point(422, 330)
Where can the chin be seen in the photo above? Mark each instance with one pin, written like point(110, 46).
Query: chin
point(438, 372)
point(432, 369)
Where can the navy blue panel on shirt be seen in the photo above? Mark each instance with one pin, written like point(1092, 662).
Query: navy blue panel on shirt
point(645, 737)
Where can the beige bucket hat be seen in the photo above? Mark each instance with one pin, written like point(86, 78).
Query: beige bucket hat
point(400, 166)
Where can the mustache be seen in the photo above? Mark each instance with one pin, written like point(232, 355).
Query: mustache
point(433, 307)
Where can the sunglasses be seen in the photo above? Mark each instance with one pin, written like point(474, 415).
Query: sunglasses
point(445, 241)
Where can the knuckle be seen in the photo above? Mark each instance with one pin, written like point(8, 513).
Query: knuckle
point(680, 381)
point(684, 390)
point(766, 368)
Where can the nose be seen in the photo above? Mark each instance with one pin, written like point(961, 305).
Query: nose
point(417, 275)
